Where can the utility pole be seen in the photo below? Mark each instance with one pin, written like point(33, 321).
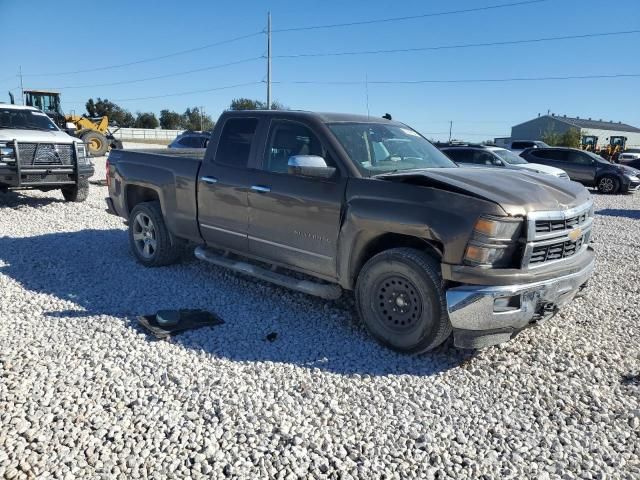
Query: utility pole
point(366, 91)
point(450, 129)
point(21, 86)
point(269, 61)
point(201, 118)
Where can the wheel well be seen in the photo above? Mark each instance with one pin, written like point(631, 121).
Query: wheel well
point(136, 194)
point(394, 240)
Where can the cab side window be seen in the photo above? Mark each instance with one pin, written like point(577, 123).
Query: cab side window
point(235, 142)
point(287, 139)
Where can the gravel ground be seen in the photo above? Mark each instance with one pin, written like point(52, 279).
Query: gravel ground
point(84, 393)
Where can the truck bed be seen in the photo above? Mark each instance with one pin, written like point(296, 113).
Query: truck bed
point(195, 153)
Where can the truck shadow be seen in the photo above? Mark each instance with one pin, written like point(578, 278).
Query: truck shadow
point(619, 212)
point(94, 272)
point(13, 199)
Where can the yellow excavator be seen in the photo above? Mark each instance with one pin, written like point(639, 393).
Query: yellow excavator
point(94, 132)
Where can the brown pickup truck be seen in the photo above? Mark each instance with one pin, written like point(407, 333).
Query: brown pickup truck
point(323, 203)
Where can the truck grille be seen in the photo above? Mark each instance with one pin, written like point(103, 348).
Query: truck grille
point(37, 154)
point(555, 251)
point(546, 226)
point(556, 235)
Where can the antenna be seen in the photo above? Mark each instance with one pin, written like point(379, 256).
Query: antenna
point(268, 60)
point(366, 92)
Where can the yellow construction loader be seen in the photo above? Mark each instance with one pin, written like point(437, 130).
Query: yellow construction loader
point(94, 132)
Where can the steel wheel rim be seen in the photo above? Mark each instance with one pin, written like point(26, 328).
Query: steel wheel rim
point(144, 235)
point(398, 304)
point(95, 144)
point(606, 184)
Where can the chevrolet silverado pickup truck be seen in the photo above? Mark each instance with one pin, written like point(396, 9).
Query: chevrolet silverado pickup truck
point(36, 155)
point(324, 203)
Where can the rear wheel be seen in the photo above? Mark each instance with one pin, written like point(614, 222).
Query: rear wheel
point(150, 240)
point(78, 192)
point(608, 184)
point(97, 144)
point(401, 300)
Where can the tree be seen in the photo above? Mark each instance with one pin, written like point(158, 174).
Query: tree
point(170, 120)
point(192, 119)
point(116, 113)
point(146, 120)
point(571, 138)
point(249, 104)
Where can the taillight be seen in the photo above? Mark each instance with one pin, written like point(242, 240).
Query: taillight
point(108, 176)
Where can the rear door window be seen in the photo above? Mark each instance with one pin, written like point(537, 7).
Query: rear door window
point(234, 147)
point(557, 155)
point(459, 155)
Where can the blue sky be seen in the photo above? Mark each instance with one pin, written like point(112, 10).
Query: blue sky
point(45, 37)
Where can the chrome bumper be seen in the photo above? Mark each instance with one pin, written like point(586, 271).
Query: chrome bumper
point(487, 315)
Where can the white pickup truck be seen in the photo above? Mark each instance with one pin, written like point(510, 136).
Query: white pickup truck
point(35, 154)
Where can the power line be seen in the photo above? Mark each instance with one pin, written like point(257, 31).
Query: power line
point(180, 93)
point(410, 17)
point(157, 77)
point(457, 46)
point(477, 80)
point(150, 59)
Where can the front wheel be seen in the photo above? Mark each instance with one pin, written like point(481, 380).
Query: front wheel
point(150, 240)
point(78, 192)
point(608, 184)
point(97, 144)
point(401, 300)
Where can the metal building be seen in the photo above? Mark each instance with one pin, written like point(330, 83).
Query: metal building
point(535, 129)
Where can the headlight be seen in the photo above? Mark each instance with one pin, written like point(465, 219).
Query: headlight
point(494, 242)
point(498, 229)
point(83, 158)
point(7, 152)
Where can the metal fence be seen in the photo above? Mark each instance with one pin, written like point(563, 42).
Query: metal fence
point(146, 134)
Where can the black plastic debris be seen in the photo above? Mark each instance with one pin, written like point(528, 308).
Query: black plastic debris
point(272, 336)
point(165, 323)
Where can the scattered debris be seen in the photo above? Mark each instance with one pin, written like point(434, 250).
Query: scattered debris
point(171, 322)
point(631, 379)
point(272, 336)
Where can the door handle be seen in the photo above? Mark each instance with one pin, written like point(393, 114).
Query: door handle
point(260, 189)
point(210, 180)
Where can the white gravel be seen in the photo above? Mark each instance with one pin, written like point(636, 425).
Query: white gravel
point(85, 394)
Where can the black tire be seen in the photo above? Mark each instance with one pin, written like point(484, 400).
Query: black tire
point(149, 239)
point(97, 144)
point(401, 300)
point(78, 192)
point(608, 184)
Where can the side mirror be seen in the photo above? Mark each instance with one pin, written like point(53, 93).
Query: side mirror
point(498, 162)
point(310, 166)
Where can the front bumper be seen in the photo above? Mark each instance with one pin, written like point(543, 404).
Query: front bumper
point(482, 316)
point(43, 177)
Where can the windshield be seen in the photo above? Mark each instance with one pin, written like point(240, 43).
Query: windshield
point(25, 119)
point(376, 148)
point(510, 157)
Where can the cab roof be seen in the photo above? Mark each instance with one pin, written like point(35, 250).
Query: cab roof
point(17, 107)
point(325, 117)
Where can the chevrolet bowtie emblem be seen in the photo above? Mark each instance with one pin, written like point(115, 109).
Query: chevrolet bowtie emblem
point(575, 234)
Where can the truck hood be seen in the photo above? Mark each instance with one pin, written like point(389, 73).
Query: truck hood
point(538, 168)
point(54, 136)
point(518, 192)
